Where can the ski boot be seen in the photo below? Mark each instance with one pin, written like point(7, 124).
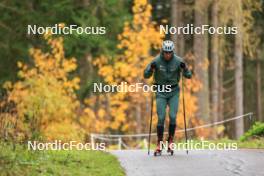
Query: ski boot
point(170, 141)
point(158, 150)
point(170, 138)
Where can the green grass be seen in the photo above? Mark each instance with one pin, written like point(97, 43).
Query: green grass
point(248, 144)
point(22, 161)
point(251, 143)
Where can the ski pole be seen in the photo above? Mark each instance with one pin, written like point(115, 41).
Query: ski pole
point(150, 123)
point(183, 104)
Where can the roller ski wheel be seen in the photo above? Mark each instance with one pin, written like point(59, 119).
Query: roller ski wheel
point(157, 152)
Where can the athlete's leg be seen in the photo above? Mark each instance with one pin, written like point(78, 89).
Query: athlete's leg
point(161, 103)
point(173, 109)
point(173, 102)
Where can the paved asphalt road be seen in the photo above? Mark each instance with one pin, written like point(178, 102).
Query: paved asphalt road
point(244, 162)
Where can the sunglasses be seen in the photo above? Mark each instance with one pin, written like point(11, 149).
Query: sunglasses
point(168, 52)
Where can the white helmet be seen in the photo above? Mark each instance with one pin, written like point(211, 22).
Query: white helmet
point(167, 46)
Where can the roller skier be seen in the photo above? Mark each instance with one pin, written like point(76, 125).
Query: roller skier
point(167, 68)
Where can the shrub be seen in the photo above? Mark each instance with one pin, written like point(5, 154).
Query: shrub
point(256, 130)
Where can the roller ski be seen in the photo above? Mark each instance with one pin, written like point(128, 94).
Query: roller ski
point(158, 151)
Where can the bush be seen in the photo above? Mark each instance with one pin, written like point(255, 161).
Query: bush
point(44, 96)
point(256, 130)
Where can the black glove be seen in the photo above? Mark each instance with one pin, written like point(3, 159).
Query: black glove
point(153, 66)
point(183, 66)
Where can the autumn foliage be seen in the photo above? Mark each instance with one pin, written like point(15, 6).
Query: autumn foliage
point(139, 44)
point(44, 100)
point(137, 40)
point(43, 104)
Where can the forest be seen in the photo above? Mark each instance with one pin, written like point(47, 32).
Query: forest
point(66, 66)
point(47, 80)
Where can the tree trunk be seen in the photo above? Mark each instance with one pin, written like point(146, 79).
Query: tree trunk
point(176, 20)
point(259, 107)
point(220, 89)
point(239, 70)
point(201, 62)
point(138, 119)
point(214, 65)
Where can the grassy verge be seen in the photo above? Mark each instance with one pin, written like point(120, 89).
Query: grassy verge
point(20, 161)
point(248, 144)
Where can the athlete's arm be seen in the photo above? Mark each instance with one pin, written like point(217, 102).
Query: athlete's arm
point(149, 69)
point(186, 72)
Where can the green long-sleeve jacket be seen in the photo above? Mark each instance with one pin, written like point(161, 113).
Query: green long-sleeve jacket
point(167, 72)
